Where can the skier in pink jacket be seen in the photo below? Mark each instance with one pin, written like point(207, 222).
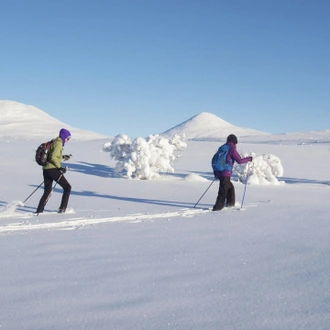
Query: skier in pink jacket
point(226, 193)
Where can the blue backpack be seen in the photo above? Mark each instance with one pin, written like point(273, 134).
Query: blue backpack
point(219, 160)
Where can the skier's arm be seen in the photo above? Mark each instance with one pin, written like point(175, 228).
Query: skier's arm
point(236, 156)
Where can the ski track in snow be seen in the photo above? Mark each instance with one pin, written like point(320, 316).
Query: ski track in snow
point(78, 222)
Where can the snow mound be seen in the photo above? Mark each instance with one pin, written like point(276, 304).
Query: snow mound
point(194, 177)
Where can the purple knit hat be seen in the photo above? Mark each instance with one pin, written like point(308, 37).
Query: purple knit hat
point(64, 134)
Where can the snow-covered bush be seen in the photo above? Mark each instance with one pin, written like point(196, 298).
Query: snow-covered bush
point(144, 158)
point(263, 170)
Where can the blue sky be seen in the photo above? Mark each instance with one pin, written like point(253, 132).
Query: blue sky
point(140, 67)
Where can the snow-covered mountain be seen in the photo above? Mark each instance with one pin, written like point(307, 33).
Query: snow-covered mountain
point(20, 120)
point(208, 127)
point(26, 121)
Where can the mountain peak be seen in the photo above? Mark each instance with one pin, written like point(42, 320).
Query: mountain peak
point(207, 126)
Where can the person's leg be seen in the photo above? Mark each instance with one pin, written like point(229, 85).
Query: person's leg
point(222, 193)
point(66, 193)
point(48, 182)
point(230, 194)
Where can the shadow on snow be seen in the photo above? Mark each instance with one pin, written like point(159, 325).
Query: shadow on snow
point(102, 171)
point(303, 181)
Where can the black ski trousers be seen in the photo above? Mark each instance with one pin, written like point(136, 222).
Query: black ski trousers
point(51, 175)
point(226, 194)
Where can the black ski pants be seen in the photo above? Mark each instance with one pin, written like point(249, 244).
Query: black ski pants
point(51, 175)
point(226, 194)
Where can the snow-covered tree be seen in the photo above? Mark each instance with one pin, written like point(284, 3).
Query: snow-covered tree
point(263, 170)
point(144, 158)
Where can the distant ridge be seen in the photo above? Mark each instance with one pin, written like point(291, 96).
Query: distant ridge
point(21, 120)
point(208, 127)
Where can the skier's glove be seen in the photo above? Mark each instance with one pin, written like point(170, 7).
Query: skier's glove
point(66, 157)
point(63, 170)
point(251, 159)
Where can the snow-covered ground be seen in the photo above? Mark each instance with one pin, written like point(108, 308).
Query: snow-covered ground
point(136, 254)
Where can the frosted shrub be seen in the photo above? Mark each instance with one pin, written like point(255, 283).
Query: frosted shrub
point(144, 158)
point(263, 170)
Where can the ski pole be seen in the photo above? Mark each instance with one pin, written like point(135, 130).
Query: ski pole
point(205, 192)
point(34, 191)
point(246, 180)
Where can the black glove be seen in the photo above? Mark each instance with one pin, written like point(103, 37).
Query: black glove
point(66, 157)
point(251, 159)
point(63, 170)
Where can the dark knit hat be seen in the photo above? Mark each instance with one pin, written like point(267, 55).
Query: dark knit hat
point(232, 138)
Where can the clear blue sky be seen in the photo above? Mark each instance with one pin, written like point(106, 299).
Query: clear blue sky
point(140, 67)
